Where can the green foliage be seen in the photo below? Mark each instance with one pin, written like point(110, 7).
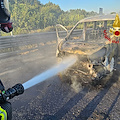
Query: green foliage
point(73, 16)
point(31, 15)
point(113, 13)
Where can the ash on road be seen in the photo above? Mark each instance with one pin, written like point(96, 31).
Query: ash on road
point(52, 99)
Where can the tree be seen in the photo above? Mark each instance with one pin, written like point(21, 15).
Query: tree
point(30, 15)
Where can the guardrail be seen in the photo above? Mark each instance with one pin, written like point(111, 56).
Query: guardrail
point(17, 45)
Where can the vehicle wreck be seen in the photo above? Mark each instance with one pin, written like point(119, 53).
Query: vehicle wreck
point(97, 56)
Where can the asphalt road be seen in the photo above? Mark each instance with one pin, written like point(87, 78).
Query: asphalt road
point(53, 99)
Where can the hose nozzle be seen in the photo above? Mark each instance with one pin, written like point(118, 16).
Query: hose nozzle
point(11, 92)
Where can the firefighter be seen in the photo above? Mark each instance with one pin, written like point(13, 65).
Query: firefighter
point(6, 26)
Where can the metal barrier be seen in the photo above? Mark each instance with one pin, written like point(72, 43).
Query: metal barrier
point(15, 45)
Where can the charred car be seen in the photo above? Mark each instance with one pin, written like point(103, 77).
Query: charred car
point(96, 50)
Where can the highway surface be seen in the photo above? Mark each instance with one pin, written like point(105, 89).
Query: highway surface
point(53, 99)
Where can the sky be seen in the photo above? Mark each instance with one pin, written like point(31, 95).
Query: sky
point(88, 5)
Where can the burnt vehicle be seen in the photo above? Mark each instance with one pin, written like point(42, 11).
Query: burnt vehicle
point(97, 52)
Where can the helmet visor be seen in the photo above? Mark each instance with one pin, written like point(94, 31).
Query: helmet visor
point(6, 4)
point(5, 7)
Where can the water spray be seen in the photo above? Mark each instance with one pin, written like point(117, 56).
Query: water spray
point(19, 88)
point(51, 72)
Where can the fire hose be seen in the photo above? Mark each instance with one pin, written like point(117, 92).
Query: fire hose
point(5, 95)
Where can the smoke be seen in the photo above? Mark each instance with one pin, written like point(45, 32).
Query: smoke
point(67, 62)
point(76, 85)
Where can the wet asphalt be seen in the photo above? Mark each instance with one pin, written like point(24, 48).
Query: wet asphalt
point(53, 99)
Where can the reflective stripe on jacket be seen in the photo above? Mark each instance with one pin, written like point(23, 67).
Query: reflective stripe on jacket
point(3, 114)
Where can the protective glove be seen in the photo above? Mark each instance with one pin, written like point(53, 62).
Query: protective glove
point(7, 27)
